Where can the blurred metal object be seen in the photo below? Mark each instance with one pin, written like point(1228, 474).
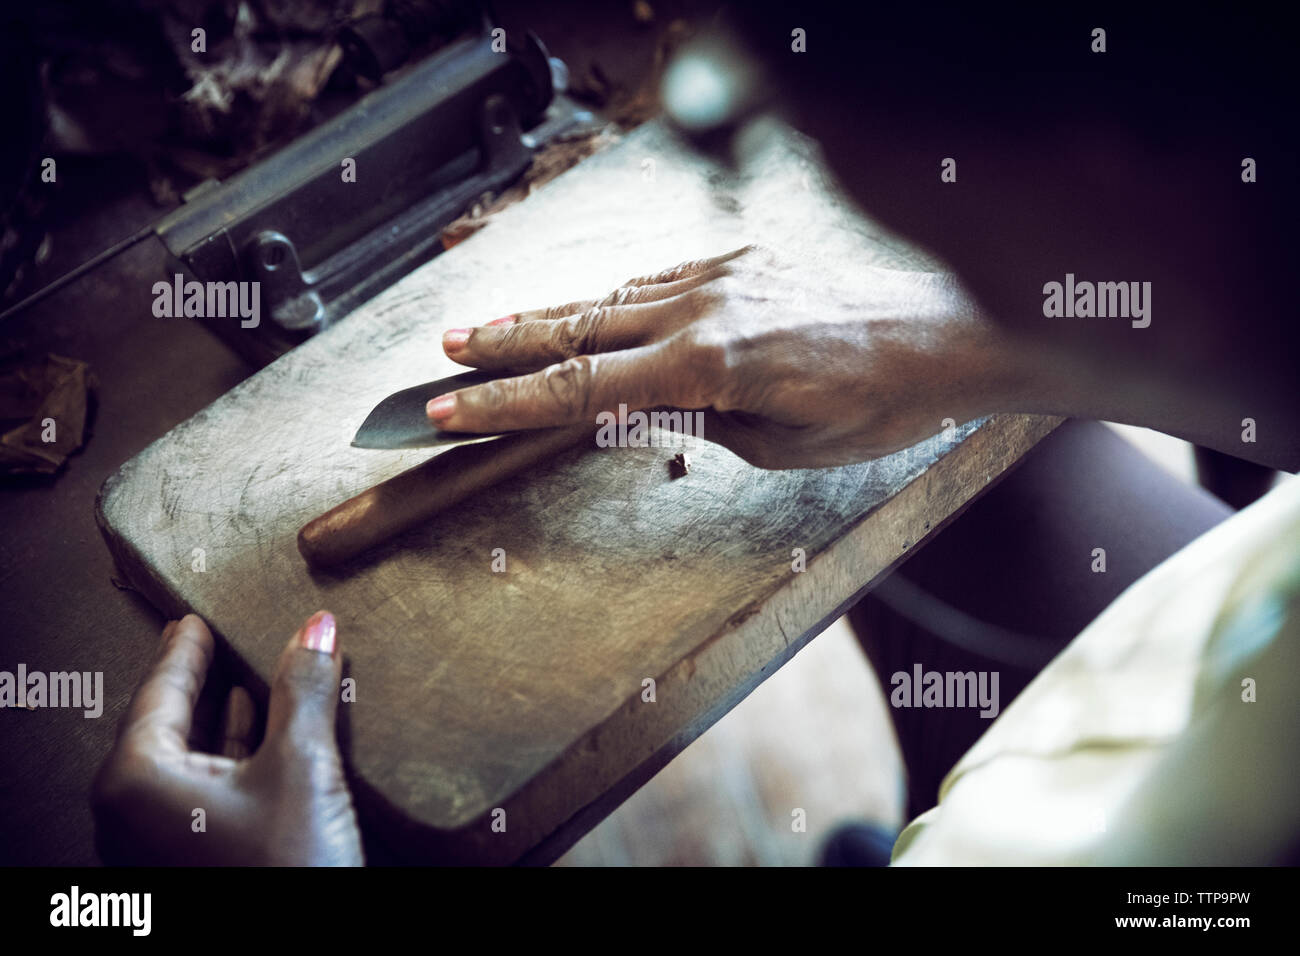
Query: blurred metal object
point(423, 147)
point(373, 46)
point(710, 91)
point(379, 44)
point(399, 421)
point(429, 143)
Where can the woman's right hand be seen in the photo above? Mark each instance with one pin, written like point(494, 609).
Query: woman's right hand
point(795, 369)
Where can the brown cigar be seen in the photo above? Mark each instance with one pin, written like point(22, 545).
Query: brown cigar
point(406, 500)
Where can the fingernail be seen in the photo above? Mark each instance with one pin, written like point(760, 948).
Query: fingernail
point(454, 339)
point(318, 633)
point(441, 407)
point(167, 631)
point(505, 320)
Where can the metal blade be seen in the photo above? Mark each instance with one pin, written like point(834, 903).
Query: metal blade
point(399, 420)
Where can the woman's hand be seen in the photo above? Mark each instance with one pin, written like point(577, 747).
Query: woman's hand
point(796, 369)
point(287, 804)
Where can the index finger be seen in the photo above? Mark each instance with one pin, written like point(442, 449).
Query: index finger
point(572, 392)
point(163, 706)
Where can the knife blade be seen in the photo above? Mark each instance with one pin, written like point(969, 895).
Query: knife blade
point(399, 421)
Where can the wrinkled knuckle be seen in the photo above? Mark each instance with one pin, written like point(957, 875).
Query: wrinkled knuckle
point(569, 385)
point(512, 336)
point(493, 396)
point(577, 334)
point(671, 275)
point(623, 295)
point(563, 338)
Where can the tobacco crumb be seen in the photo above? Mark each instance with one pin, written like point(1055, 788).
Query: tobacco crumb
point(680, 466)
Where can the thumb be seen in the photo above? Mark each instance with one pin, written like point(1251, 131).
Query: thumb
point(305, 688)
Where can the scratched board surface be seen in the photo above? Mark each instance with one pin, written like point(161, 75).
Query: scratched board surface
point(524, 690)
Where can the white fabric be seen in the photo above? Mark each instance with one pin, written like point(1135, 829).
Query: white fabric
point(1135, 744)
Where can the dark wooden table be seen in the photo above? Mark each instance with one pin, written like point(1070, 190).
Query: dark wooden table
point(477, 691)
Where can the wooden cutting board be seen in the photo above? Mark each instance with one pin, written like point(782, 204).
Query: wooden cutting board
point(526, 691)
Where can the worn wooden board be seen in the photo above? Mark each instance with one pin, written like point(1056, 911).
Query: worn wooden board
point(523, 690)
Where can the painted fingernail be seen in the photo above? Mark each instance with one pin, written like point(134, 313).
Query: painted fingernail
point(454, 339)
point(441, 407)
point(505, 320)
point(318, 633)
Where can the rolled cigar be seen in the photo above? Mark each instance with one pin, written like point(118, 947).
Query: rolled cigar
point(414, 496)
